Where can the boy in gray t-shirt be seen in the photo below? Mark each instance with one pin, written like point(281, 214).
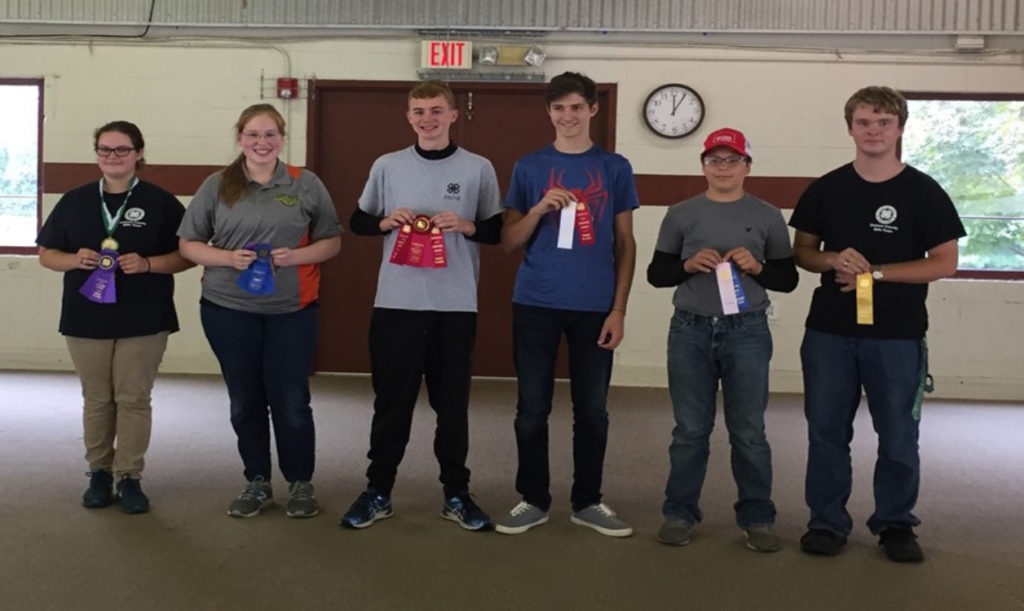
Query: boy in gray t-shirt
point(721, 250)
point(433, 203)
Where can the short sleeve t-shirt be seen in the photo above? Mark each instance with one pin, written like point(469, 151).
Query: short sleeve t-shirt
point(581, 278)
point(291, 211)
point(699, 223)
point(145, 302)
point(464, 183)
point(896, 220)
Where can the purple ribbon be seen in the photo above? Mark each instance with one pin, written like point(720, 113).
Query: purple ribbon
point(100, 285)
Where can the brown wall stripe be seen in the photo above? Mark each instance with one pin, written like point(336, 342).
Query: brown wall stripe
point(178, 179)
point(655, 189)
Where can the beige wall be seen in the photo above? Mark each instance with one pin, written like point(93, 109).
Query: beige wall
point(186, 96)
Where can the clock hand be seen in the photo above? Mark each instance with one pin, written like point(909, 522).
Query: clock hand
point(675, 104)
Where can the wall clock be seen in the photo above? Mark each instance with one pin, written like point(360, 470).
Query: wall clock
point(673, 110)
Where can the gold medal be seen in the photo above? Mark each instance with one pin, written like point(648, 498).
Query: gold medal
point(109, 244)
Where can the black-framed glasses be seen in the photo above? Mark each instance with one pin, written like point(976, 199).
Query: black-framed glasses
point(717, 161)
point(120, 151)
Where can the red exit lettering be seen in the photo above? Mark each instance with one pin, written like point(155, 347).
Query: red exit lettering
point(445, 54)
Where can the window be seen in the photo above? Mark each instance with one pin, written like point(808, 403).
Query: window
point(973, 145)
point(20, 141)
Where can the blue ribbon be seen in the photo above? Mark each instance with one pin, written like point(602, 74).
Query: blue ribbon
point(258, 278)
point(741, 297)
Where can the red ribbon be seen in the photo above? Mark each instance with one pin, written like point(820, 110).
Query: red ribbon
point(584, 224)
point(420, 244)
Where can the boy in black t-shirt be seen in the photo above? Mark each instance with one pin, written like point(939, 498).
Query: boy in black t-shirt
point(878, 231)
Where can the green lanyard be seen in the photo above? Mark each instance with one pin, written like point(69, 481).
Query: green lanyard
point(110, 222)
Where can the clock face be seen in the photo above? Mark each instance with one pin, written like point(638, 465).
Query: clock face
point(673, 111)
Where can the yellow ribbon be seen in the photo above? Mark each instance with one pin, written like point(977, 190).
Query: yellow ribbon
point(865, 299)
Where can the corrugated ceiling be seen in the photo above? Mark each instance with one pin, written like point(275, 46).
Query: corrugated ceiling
point(770, 16)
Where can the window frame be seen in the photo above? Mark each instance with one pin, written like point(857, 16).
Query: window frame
point(38, 83)
point(978, 97)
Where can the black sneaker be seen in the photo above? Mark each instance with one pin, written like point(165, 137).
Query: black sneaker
point(368, 508)
point(133, 500)
point(900, 544)
point(467, 513)
point(100, 492)
point(821, 542)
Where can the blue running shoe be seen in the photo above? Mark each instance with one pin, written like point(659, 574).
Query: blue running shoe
point(467, 513)
point(368, 508)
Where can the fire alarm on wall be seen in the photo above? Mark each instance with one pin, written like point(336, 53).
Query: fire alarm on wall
point(287, 88)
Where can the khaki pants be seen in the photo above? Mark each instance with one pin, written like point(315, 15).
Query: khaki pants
point(117, 381)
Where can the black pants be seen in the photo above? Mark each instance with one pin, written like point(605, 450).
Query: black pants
point(405, 347)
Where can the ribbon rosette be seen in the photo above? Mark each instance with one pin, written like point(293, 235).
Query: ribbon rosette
point(100, 287)
point(258, 278)
point(419, 244)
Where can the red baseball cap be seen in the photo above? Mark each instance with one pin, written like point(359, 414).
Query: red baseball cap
point(730, 138)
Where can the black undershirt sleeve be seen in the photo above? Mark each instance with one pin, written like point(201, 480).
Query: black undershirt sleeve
point(778, 275)
point(487, 231)
point(363, 223)
point(665, 269)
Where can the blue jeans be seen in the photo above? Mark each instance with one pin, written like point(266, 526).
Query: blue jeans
point(702, 350)
point(536, 333)
point(266, 360)
point(890, 371)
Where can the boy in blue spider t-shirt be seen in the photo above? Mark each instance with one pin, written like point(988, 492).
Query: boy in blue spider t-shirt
point(570, 206)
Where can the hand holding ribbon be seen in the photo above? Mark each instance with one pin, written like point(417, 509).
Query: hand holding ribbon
point(704, 260)
point(258, 278)
point(419, 244)
point(86, 258)
point(744, 260)
point(100, 286)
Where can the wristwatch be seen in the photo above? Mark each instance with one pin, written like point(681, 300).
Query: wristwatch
point(876, 273)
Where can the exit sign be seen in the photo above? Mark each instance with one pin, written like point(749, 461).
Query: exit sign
point(452, 54)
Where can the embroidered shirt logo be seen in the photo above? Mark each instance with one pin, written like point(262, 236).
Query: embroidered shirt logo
point(287, 200)
point(886, 216)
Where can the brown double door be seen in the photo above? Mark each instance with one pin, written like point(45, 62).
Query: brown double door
point(354, 122)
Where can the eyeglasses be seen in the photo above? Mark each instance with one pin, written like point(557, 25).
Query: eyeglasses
point(254, 136)
point(121, 151)
point(717, 161)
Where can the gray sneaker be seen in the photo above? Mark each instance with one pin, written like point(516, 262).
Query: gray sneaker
point(675, 531)
point(522, 518)
point(301, 502)
point(257, 495)
point(601, 518)
point(762, 538)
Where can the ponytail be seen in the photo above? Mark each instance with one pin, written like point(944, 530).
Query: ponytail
point(233, 182)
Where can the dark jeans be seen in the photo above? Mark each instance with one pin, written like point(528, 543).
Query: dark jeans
point(890, 371)
point(407, 346)
point(266, 360)
point(536, 333)
point(701, 351)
